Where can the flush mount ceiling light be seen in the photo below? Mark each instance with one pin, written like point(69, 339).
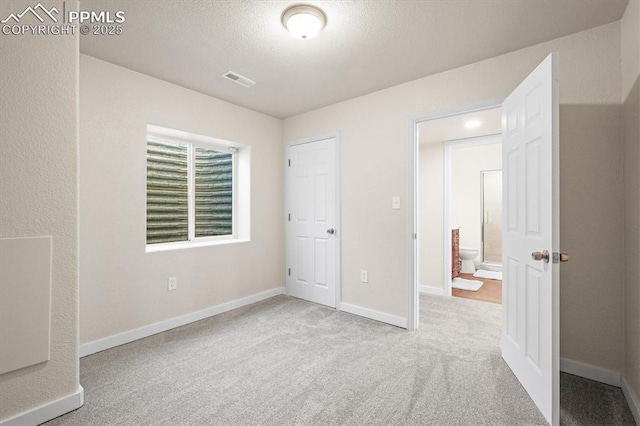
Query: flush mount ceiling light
point(472, 124)
point(304, 21)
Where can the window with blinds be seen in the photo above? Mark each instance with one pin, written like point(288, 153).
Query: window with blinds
point(175, 213)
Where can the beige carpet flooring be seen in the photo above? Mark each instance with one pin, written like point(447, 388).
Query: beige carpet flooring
point(284, 361)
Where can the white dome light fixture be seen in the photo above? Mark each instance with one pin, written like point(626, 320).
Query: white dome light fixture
point(304, 21)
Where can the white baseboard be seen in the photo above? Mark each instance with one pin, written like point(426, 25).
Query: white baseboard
point(632, 400)
point(149, 330)
point(605, 376)
point(588, 371)
point(374, 315)
point(427, 289)
point(48, 411)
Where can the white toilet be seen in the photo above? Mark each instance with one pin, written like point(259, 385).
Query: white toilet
point(467, 254)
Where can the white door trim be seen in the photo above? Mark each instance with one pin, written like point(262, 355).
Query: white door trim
point(338, 227)
point(412, 199)
point(449, 146)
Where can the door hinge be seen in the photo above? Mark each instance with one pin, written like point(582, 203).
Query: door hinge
point(289, 162)
point(289, 217)
point(415, 236)
point(289, 271)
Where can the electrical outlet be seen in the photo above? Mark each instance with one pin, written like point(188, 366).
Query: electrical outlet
point(364, 276)
point(172, 283)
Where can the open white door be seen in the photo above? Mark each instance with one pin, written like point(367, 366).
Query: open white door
point(530, 295)
point(311, 221)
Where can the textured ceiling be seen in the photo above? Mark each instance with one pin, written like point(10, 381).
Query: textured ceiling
point(366, 45)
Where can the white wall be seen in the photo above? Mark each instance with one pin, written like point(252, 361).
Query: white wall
point(466, 203)
point(431, 211)
point(38, 193)
point(121, 286)
point(373, 137)
point(631, 98)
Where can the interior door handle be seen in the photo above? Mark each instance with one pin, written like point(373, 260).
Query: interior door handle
point(544, 256)
point(331, 231)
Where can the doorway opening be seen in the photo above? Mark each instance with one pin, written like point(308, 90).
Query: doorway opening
point(428, 194)
point(460, 205)
point(473, 217)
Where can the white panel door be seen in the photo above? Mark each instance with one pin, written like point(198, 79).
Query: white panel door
point(530, 328)
point(311, 233)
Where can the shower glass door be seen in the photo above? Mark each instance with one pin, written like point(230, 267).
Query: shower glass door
point(491, 181)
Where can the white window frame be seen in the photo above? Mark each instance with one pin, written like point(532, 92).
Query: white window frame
point(193, 141)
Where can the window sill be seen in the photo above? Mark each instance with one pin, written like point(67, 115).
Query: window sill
point(190, 244)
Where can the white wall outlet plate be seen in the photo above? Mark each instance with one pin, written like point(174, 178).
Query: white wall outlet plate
point(364, 276)
point(172, 283)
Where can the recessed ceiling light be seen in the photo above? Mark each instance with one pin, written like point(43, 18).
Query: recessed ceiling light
point(472, 124)
point(304, 21)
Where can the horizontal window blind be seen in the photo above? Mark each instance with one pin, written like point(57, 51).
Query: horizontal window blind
point(213, 193)
point(167, 193)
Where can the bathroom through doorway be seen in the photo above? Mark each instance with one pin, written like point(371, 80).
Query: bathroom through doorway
point(459, 206)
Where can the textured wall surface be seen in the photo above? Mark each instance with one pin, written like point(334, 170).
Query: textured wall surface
point(117, 275)
point(373, 149)
point(631, 98)
point(38, 193)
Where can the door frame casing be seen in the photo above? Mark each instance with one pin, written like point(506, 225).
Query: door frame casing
point(338, 233)
point(413, 237)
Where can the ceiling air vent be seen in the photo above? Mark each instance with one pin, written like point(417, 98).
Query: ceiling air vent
point(237, 78)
